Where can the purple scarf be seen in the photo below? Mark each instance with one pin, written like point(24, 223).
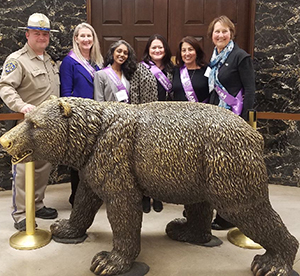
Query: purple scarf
point(236, 103)
point(116, 80)
point(159, 75)
point(187, 85)
point(84, 63)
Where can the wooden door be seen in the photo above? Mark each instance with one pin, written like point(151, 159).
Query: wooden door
point(136, 20)
point(132, 20)
point(192, 17)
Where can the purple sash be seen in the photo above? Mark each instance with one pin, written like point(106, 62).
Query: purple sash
point(160, 76)
point(85, 64)
point(187, 85)
point(236, 103)
point(116, 80)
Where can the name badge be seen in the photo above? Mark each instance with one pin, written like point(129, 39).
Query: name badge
point(207, 72)
point(122, 96)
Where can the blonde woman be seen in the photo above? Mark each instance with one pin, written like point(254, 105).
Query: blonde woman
point(79, 66)
point(77, 73)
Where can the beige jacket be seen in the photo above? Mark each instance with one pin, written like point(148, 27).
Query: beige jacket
point(104, 88)
point(27, 79)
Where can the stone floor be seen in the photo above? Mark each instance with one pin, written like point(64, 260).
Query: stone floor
point(164, 256)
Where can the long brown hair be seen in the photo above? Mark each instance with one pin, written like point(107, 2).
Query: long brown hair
point(166, 61)
point(129, 66)
point(200, 59)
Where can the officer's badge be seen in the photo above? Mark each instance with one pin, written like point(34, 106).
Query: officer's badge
point(42, 23)
point(11, 66)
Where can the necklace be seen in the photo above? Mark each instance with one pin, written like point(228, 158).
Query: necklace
point(192, 75)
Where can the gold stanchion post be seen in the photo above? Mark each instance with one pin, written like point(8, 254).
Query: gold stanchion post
point(31, 238)
point(235, 236)
point(252, 119)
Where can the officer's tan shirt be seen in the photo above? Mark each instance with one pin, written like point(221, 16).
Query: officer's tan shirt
point(27, 79)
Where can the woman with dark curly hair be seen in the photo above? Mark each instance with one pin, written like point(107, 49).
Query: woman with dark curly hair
point(189, 81)
point(112, 82)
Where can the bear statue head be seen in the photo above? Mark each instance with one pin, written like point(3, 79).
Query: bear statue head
point(42, 135)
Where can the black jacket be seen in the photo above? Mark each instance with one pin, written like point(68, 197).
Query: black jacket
point(237, 72)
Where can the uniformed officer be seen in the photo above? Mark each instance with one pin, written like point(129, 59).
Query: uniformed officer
point(29, 77)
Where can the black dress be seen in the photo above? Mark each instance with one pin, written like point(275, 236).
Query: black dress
point(199, 83)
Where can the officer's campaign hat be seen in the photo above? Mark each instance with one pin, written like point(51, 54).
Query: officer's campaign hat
point(38, 21)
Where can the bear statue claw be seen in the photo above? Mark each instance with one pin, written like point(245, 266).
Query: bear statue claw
point(63, 232)
point(179, 230)
point(104, 263)
point(266, 265)
point(108, 264)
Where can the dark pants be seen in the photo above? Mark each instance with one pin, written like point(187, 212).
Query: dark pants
point(74, 184)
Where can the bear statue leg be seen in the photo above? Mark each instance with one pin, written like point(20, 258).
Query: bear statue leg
point(264, 226)
point(196, 227)
point(125, 216)
point(73, 230)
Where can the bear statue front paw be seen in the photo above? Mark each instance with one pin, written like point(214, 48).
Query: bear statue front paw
point(63, 232)
point(267, 265)
point(108, 263)
point(180, 230)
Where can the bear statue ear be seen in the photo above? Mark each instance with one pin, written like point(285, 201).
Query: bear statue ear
point(66, 108)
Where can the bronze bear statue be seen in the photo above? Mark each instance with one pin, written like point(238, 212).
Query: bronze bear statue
point(194, 154)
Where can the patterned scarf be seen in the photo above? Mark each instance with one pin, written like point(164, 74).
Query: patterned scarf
point(216, 61)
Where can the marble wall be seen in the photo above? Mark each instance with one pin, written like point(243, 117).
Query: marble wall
point(64, 15)
point(276, 61)
point(277, 66)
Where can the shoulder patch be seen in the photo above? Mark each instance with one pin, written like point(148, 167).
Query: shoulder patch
point(10, 66)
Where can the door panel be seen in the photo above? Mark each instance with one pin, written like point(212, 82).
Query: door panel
point(192, 17)
point(132, 20)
